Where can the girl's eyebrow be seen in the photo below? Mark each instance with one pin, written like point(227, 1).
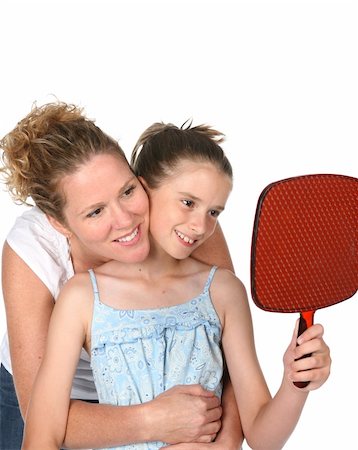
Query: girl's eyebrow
point(188, 194)
point(197, 199)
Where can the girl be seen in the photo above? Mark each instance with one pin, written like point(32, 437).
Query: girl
point(151, 325)
point(40, 155)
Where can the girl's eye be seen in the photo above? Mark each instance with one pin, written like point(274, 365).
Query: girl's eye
point(214, 213)
point(188, 203)
point(95, 212)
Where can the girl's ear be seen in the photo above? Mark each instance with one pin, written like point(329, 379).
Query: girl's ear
point(58, 226)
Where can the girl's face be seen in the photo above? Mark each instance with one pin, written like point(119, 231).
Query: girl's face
point(184, 209)
point(107, 211)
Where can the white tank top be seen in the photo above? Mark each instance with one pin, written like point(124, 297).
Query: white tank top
point(45, 251)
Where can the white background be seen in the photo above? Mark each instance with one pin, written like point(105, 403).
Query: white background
point(279, 78)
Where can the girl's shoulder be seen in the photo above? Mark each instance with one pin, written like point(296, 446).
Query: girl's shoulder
point(227, 289)
point(76, 299)
point(228, 277)
point(80, 281)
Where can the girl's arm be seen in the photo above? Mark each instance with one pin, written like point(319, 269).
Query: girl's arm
point(267, 422)
point(29, 306)
point(46, 417)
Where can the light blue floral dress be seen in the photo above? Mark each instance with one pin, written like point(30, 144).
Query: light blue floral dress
point(138, 354)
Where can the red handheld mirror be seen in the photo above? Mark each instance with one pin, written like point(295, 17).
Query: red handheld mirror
point(304, 245)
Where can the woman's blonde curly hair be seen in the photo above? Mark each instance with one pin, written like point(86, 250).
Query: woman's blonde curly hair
point(52, 141)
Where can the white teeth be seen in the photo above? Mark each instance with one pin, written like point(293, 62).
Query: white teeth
point(130, 237)
point(185, 238)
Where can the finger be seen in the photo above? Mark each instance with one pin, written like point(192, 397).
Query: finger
point(207, 439)
point(316, 346)
point(305, 364)
point(209, 429)
point(294, 335)
point(315, 331)
point(214, 414)
point(193, 389)
point(212, 402)
point(315, 377)
point(314, 361)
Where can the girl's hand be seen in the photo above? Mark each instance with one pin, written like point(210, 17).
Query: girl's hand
point(314, 368)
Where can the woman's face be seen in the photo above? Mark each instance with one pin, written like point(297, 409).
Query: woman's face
point(107, 211)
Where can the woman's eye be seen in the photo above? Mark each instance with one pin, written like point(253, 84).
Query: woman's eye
point(188, 203)
point(128, 191)
point(95, 212)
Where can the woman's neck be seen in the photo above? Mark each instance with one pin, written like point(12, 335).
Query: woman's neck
point(83, 260)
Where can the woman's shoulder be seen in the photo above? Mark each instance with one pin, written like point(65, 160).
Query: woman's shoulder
point(33, 225)
point(42, 248)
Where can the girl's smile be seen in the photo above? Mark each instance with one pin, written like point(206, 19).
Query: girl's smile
point(194, 195)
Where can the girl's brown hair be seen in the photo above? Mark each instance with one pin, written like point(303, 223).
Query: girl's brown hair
point(162, 146)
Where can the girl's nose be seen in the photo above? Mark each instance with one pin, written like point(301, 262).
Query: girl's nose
point(198, 223)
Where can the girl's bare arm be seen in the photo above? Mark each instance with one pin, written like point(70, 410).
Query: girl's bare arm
point(267, 422)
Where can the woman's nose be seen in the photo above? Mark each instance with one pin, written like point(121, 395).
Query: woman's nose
point(121, 217)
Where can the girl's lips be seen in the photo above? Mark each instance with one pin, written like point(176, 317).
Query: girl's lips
point(186, 239)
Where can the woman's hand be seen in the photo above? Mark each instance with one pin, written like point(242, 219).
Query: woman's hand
point(208, 446)
point(185, 413)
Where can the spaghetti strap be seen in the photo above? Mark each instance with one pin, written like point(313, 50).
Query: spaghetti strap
point(94, 285)
point(210, 279)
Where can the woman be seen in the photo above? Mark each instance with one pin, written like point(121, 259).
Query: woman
point(163, 321)
point(45, 147)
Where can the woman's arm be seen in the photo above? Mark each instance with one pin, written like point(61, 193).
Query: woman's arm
point(29, 306)
point(231, 435)
point(181, 414)
point(215, 251)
